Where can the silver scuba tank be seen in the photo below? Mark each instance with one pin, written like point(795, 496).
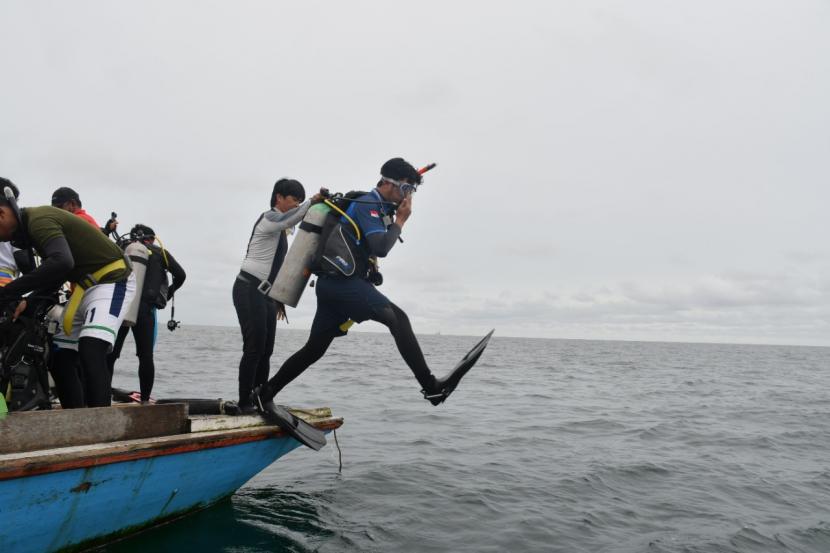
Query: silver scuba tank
point(138, 255)
point(295, 271)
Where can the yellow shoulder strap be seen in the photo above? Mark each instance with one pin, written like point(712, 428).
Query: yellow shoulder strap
point(80, 288)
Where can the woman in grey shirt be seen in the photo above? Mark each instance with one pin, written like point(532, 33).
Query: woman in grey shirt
point(257, 312)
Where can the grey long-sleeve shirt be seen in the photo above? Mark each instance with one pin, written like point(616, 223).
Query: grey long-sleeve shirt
point(267, 244)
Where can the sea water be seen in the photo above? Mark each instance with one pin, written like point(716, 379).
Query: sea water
point(548, 445)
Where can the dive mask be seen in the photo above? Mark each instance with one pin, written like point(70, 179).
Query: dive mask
point(407, 188)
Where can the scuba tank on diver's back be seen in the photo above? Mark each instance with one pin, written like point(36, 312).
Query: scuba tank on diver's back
point(296, 267)
point(303, 257)
point(138, 254)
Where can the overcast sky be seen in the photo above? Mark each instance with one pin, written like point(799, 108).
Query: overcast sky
point(643, 170)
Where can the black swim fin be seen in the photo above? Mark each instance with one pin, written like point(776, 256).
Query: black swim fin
point(445, 386)
point(294, 426)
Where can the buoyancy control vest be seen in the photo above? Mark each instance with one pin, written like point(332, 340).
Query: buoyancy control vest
point(341, 252)
point(156, 288)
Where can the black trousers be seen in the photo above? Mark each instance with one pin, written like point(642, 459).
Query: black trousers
point(257, 314)
point(144, 333)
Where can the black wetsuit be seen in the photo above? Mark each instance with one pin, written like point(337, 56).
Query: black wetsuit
point(342, 298)
point(153, 297)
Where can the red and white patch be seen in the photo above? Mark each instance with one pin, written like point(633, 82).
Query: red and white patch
point(374, 213)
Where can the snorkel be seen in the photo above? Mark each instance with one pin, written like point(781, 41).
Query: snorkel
point(408, 188)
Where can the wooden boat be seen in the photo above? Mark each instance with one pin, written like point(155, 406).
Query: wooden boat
point(77, 478)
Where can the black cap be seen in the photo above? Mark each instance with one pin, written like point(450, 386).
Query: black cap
point(398, 168)
point(63, 195)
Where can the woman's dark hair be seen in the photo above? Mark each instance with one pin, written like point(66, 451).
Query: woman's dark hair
point(287, 187)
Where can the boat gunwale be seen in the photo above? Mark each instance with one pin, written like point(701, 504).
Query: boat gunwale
point(33, 463)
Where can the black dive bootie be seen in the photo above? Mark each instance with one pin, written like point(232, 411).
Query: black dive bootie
point(265, 407)
point(435, 396)
point(294, 426)
point(441, 388)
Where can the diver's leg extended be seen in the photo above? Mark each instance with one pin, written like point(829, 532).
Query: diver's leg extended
point(294, 366)
point(398, 323)
point(435, 390)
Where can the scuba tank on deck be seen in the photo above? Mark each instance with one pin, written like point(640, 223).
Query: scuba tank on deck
point(138, 254)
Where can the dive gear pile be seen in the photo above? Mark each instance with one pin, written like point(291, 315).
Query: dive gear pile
point(24, 356)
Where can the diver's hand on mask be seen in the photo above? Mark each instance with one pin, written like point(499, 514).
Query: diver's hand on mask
point(404, 211)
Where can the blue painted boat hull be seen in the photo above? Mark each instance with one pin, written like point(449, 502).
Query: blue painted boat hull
point(59, 510)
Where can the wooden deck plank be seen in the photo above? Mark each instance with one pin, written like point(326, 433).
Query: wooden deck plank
point(36, 430)
point(206, 423)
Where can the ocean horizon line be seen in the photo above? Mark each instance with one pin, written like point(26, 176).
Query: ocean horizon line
point(496, 335)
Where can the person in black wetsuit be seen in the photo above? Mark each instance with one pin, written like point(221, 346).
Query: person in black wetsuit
point(345, 295)
point(154, 296)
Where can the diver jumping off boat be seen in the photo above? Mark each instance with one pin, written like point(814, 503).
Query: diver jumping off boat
point(346, 266)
